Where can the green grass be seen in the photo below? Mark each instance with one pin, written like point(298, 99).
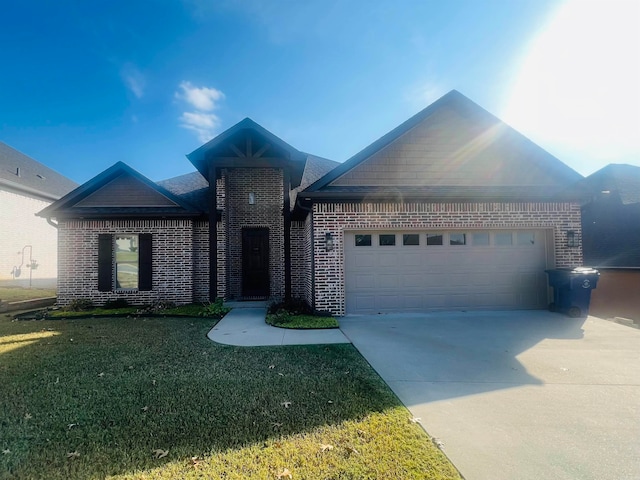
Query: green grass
point(93, 311)
point(112, 391)
point(15, 294)
point(194, 310)
point(301, 321)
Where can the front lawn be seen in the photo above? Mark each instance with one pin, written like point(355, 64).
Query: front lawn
point(301, 321)
point(154, 398)
point(210, 310)
point(16, 294)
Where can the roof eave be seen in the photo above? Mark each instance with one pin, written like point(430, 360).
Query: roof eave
point(432, 197)
point(31, 191)
point(199, 160)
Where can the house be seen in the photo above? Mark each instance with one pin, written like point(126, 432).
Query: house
point(28, 243)
point(453, 209)
point(611, 233)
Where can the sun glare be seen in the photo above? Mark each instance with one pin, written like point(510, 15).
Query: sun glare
point(578, 86)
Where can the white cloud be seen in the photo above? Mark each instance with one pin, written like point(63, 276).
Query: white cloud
point(204, 100)
point(204, 124)
point(201, 98)
point(133, 79)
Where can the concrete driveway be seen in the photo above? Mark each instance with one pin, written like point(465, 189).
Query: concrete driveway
point(515, 395)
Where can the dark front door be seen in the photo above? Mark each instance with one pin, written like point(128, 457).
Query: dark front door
point(255, 262)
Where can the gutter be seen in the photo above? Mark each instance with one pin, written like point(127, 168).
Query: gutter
point(21, 188)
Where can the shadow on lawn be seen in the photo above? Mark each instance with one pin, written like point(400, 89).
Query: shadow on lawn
point(115, 390)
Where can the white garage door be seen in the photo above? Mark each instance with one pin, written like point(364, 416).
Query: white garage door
point(408, 271)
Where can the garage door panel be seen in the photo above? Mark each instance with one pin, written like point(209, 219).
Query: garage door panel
point(411, 260)
point(363, 259)
point(363, 303)
point(434, 300)
point(437, 258)
point(413, 302)
point(386, 259)
point(386, 281)
point(410, 280)
point(364, 281)
point(386, 303)
point(426, 277)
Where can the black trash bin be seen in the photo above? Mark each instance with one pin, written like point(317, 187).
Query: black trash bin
point(572, 289)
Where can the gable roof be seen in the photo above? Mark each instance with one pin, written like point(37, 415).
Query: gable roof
point(219, 147)
point(22, 173)
point(482, 141)
point(191, 187)
point(120, 192)
point(315, 168)
point(611, 221)
point(617, 179)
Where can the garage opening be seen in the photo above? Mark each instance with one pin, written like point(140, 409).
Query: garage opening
point(410, 271)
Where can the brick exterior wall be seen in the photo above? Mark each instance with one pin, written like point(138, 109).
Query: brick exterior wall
point(307, 276)
point(267, 185)
point(221, 292)
point(19, 227)
point(172, 257)
point(329, 281)
point(201, 261)
point(297, 259)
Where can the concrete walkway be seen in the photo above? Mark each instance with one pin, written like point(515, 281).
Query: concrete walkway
point(245, 326)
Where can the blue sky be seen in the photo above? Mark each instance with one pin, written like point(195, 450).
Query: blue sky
point(87, 84)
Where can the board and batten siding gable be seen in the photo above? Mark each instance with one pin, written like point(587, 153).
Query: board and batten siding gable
point(126, 191)
point(451, 148)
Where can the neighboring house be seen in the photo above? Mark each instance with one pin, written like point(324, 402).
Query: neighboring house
point(453, 209)
point(611, 233)
point(28, 243)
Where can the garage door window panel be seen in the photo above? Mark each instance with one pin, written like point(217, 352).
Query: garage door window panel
point(410, 239)
point(503, 239)
point(480, 239)
point(457, 239)
point(434, 239)
point(363, 240)
point(386, 240)
point(526, 238)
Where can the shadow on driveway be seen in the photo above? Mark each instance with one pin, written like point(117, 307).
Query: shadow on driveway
point(526, 394)
point(477, 349)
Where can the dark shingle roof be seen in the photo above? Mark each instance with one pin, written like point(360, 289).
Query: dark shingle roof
point(618, 179)
point(191, 187)
point(314, 169)
point(143, 198)
point(23, 173)
point(611, 221)
point(446, 193)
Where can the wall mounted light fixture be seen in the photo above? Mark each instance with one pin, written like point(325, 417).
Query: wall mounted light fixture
point(572, 239)
point(252, 198)
point(328, 242)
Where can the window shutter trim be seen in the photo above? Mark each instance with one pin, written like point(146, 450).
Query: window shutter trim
point(145, 282)
point(105, 262)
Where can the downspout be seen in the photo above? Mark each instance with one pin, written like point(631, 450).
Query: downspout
point(52, 223)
